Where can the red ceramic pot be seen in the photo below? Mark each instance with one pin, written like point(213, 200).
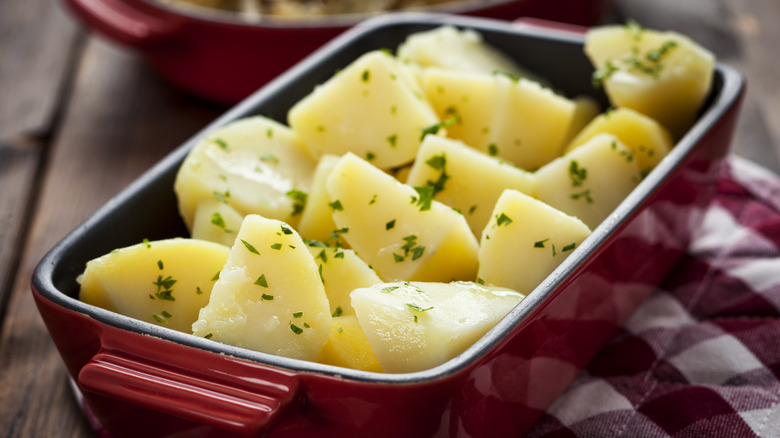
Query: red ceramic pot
point(224, 59)
point(140, 379)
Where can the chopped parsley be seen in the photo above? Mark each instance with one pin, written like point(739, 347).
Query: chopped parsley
point(276, 246)
point(424, 198)
point(270, 158)
point(365, 76)
point(219, 221)
point(160, 264)
point(297, 330)
point(267, 297)
point(503, 219)
point(492, 149)
point(453, 118)
point(336, 205)
point(222, 197)
point(262, 281)
point(583, 195)
point(222, 144)
point(540, 243)
point(249, 247)
point(577, 174)
point(392, 140)
point(164, 288)
point(299, 200)
point(569, 247)
point(337, 312)
point(297, 315)
point(390, 225)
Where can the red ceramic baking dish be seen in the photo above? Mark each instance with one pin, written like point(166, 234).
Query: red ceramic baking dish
point(223, 58)
point(144, 380)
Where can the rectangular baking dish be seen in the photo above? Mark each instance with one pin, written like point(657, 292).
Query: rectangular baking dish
point(143, 380)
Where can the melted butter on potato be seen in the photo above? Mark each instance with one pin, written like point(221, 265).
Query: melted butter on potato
point(413, 326)
point(255, 165)
point(401, 232)
point(269, 296)
point(164, 282)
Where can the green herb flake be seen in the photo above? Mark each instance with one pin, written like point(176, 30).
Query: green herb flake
point(299, 200)
point(503, 219)
point(336, 205)
point(269, 158)
point(306, 325)
point(146, 242)
point(340, 329)
point(269, 133)
point(390, 225)
point(221, 143)
point(339, 255)
point(297, 330)
point(438, 162)
point(418, 252)
point(215, 277)
point(472, 209)
point(322, 256)
point(222, 197)
point(577, 174)
point(319, 270)
point(164, 288)
point(582, 195)
point(569, 247)
point(277, 246)
point(286, 230)
point(417, 308)
point(370, 156)
point(453, 118)
point(398, 258)
point(365, 76)
point(297, 314)
point(337, 312)
point(249, 247)
point(267, 297)
point(388, 289)
point(393, 139)
point(540, 243)
point(262, 281)
point(208, 336)
point(159, 318)
point(166, 314)
point(425, 197)
point(160, 264)
point(373, 199)
point(512, 77)
point(492, 149)
point(480, 280)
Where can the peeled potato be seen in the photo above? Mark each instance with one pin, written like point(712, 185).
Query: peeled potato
point(269, 296)
point(413, 326)
point(164, 282)
point(348, 346)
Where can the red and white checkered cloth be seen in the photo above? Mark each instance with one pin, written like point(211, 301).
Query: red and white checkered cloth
point(701, 357)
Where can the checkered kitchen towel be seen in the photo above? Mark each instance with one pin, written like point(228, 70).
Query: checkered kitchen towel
point(701, 357)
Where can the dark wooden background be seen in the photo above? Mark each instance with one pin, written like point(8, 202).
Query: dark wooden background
point(80, 118)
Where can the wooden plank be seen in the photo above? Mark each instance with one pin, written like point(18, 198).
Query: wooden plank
point(18, 168)
point(741, 34)
point(37, 41)
point(120, 121)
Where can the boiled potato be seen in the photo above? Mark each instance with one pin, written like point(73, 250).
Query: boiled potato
point(585, 110)
point(664, 75)
point(255, 165)
point(648, 140)
point(269, 296)
point(163, 282)
point(380, 115)
point(413, 326)
point(348, 346)
point(316, 219)
point(402, 233)
point(342, 271)
point(465, 178)
point(451, 48)
point(591, 180)
point(516, 120)
point(216, 222)
point(525, 241)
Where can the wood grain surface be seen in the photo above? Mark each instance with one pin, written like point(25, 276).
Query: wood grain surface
point(80, 118)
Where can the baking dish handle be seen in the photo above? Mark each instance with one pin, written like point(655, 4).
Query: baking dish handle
point(123, 22)
point(242, 411)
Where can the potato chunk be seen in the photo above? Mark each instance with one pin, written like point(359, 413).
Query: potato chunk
point(316, 219)
point(164, 282)
point(348, 346)
point(253, 165)
point(664, 75)
point(402, 233)
point(525, 241)
point(413, 326)
point(450, 48)
point(373, 108)
point(216, 222)
point(465, 178)
point(269, 296)
point(590, 181)
point(648, 140)
point(342, 271)
point(516, 120)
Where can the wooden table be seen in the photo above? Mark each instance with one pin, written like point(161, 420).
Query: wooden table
point(80, 118)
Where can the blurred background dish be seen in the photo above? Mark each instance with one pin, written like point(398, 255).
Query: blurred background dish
point(222, 55)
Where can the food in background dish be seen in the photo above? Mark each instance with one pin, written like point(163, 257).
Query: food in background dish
point(373, 212)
